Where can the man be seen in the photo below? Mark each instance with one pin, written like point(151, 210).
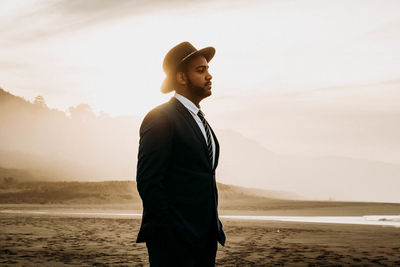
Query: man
point(178, 155)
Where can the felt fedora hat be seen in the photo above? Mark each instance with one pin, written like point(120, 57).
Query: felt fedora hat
point(176, 56)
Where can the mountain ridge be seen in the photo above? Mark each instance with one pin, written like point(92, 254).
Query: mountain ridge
point(86, 146)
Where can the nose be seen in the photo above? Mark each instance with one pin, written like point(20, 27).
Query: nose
point(208, 76)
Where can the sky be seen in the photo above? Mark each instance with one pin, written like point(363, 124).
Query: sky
point(310, 77)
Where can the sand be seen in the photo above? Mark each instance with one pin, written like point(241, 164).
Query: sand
point(43, 240)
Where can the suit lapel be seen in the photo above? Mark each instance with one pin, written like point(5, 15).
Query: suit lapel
point(186, 114)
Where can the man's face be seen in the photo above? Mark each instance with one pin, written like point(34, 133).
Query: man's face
point(198, 78)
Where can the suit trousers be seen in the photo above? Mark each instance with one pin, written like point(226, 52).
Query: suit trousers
point(168, 250)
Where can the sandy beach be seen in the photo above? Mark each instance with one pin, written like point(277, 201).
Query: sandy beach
point(44, 240)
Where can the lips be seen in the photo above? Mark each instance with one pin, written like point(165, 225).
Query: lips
point(208, 84)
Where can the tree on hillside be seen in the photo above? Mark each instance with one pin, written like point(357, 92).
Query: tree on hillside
point(39, 101)
point(82, 112)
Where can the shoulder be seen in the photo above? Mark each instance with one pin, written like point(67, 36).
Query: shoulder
point(160, 116)
point(161, 111)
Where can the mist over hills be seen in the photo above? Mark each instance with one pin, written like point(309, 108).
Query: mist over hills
point(246, 163)
point(79, 146)
point(38, 143)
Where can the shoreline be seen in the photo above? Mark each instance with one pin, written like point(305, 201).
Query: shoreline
point(383, 220)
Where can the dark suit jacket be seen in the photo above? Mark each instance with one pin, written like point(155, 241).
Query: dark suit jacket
point(175, 178)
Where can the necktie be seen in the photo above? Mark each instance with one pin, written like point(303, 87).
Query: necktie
point(207, 128)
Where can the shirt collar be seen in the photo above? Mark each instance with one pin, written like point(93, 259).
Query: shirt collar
point(187, 103)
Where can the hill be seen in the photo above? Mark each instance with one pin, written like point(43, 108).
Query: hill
point(123, 195)
point(78, 145)
point(14, 191)
point(72, 145)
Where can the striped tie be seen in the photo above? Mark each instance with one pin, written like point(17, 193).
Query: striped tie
point(207, 128)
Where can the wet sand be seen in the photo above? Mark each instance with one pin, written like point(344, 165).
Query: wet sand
point(43, 240)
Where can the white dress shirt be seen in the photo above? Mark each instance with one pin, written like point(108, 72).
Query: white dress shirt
point(194, 110)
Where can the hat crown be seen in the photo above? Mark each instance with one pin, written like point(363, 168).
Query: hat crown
point(176, 55)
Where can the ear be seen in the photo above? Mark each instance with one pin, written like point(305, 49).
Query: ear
point(181, 78)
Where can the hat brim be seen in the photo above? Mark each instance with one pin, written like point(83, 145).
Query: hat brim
point(207, 52)
point(167, 85)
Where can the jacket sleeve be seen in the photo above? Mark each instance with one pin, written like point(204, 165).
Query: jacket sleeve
point(153, 159)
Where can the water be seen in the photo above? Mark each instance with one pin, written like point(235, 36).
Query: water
point(387, 220)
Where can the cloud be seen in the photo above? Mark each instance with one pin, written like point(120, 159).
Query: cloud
point(389, 31)
point(43, 19)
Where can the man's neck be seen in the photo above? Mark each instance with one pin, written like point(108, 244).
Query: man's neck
point(193, 99)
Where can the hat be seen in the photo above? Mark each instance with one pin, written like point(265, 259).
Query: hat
point(176, 56)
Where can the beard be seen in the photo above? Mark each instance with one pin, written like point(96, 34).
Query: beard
point(199, 91)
